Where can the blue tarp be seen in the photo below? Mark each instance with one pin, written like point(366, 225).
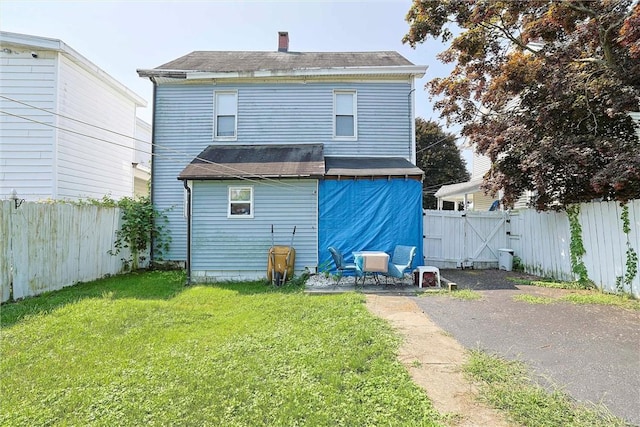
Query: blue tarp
point(368, 214)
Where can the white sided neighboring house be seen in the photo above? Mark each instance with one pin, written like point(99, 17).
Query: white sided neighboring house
point(68, 130)
point(142, 159)
point(469, 195)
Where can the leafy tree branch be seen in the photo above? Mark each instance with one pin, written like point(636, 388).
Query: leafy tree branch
point(552, 115)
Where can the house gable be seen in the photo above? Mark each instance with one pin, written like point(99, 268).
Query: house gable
point(284, 101)
point(71, 129)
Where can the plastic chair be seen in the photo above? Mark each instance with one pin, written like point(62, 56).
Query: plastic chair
point(428, 269)
point(342, 266)
point(401, 261)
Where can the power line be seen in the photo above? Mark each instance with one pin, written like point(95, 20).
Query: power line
point(74, 119)
point(435, 143)
point(279, 184)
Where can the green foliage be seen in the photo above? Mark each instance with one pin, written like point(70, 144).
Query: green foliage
point(142, 349)
point(600, 298)
point(507, 386)
point(325, 268)
point(142, 226)
point(543, 88)
point(439, 157)
point(576, 246)
point(548, 283)
point(533, 299)
point(593, 297)
point(631, 258)
point(462, 294)
point(517, 264)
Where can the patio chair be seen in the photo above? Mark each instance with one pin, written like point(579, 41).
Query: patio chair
point(342, 266)
point(401, 261)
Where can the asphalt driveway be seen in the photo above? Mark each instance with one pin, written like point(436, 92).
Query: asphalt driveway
point(592, 352)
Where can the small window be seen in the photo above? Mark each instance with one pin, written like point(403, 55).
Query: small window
point(226, 107)
point(240, 202)
point(345, 123)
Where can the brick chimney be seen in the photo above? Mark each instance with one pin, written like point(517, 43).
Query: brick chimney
point(283, 41)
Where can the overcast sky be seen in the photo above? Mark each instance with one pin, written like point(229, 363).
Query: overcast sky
point(122, 36)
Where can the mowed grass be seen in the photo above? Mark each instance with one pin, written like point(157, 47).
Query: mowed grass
point(142, 349)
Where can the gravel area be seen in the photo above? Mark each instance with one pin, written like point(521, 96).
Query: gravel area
point(323, 282)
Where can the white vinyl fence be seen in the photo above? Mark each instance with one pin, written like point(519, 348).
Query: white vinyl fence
point(541, 240)
point(45, 247)
point(464, 239)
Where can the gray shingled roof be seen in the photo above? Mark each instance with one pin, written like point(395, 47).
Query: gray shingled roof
point(230, 61)
point(290, 160)
point(255, 161)
point(370, 167)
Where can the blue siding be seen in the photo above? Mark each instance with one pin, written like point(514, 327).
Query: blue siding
point(269, 114)
point(226, 248)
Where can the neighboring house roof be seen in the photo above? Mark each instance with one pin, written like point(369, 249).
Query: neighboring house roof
point(256, 161)
point(370, 167)
point(459, 189)
point(232, 64)
point(26, 41)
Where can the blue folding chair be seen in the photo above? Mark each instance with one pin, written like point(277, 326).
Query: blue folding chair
point(401, 261)
point(342, 266)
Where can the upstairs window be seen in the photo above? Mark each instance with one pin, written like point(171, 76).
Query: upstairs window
point(240, 202)
point(345, 123)
point(225, 110)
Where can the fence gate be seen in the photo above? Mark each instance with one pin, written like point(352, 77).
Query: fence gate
point(454, 239)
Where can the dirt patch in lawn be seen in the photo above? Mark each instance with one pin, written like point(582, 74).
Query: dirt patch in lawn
point(434, 360)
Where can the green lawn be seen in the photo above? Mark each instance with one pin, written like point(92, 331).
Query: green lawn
point(142, 349)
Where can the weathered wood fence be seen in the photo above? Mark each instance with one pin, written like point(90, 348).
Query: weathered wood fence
point(541, 241)
point(45, 247)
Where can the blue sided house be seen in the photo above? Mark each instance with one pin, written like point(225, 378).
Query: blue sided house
point(320, 141)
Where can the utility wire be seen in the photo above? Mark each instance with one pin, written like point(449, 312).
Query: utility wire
point(435, 143)
point(157, 155)
point(279, 184)
point(71, 118)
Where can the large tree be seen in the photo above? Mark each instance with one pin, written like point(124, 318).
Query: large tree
point(542, 87)
point(439, 157)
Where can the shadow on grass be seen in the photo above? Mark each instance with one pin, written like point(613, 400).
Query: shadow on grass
point(145, 285)
point(138, 285)
point(295, 285)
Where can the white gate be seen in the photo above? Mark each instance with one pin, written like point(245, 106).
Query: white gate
point(470, 239)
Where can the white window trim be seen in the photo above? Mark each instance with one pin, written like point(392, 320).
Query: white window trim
point(239, 187)
point(215, 116)
point(355, 114)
